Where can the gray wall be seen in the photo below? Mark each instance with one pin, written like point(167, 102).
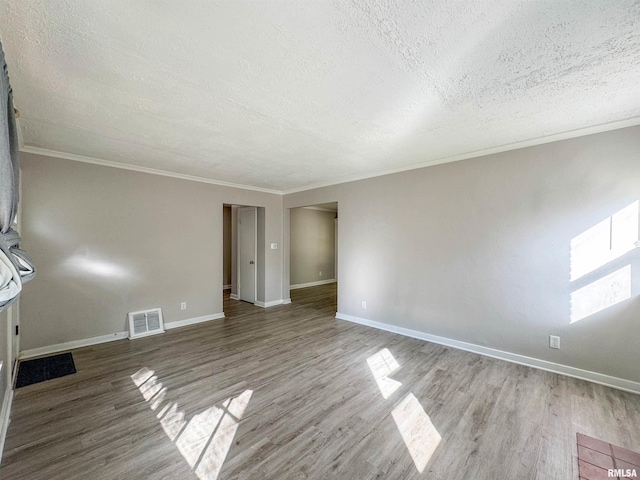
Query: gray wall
point(477, 250)
point(312, 245)
point(108, 241)
point(480, 250)
point(226, 246)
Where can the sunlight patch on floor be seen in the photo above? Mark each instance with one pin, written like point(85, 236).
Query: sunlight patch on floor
point(173, 421)
point(142, 376)
point(204, 441)
point(150, 388)
point(216, 452)
point(382, 364)
point(417, 431)
point(194, 439)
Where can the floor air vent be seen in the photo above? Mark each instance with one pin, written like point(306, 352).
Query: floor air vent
point(145, 323)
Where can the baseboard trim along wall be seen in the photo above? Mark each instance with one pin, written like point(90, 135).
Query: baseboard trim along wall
point(5, 415)
point(193, 321)
point(63, 347)
point(312, 284)
point(602, 379)
point(286, 301)
point(268, 304)
point(259, 303)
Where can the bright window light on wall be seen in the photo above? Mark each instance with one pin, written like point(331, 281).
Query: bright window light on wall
point(89, 266)
point(601, 294)
point(605, 241)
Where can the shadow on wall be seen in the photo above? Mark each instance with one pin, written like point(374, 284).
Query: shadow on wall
point(594, 253)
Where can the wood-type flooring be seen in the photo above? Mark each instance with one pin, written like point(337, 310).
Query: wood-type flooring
point(290, 392)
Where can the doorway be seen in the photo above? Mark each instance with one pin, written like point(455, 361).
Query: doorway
point(313, 254)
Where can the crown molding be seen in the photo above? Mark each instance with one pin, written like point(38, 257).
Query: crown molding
point(320, 209)
point(581, 132)
point(153, 171)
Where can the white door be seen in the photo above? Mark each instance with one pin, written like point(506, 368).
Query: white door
point(247, 228)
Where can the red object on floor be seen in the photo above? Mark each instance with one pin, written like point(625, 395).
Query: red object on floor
point(598, 460)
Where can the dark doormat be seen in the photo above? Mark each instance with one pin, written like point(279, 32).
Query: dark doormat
point(45, 368)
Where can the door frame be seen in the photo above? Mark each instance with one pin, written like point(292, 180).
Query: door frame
point(286, 284)
point(13, 338)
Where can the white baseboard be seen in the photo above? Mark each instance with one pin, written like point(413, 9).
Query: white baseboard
point(61, 347)
point(226, 287)
point(268, 304)
point(5, 416)
point(234, 296)
point(193, 321)
point(595, 377)
point(286, 301)
point(312, 284)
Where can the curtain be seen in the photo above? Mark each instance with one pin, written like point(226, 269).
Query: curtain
point(15, 265)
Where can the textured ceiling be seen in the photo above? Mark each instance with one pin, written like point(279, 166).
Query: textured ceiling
point(287, 94)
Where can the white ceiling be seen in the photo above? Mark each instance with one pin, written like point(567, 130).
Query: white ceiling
point(286, 94)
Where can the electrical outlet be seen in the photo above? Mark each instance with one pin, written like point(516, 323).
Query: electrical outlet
point(364, 305)
point(320, 273)
point(183, 306)
point(274, 246)
point(554, 341)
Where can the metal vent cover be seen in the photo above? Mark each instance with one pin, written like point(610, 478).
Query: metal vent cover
point(145, 323)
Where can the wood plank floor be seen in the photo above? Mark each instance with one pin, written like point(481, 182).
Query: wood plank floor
point(291, 392)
